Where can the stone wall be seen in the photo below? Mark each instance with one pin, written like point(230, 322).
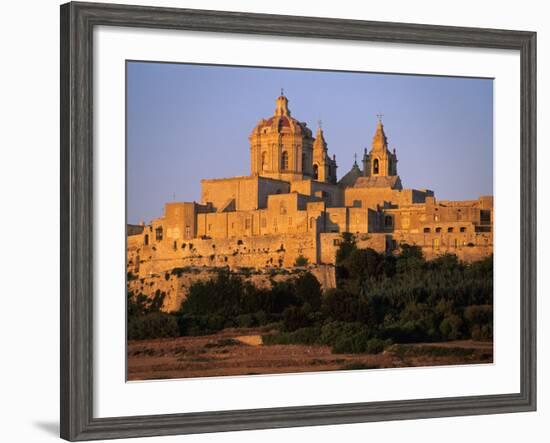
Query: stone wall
point(251, 252)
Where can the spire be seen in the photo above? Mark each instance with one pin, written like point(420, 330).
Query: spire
point(379, 141)
point(320, 141)
point(282, 105)
point(355, 165)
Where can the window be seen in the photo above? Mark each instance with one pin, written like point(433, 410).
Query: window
point(284, 161)
point(356, 203)
point(375, 166)
point(175, 245)
point(462, 229)
point(436, 217)
point(450, 229)
point(209, 226)
point(456, 242)
point(438, 230)
point(436, 243)
point(388, 221)
point(158, 233)
point(282, 209)
point(264, 222)
point(146, 241)
point(247, 223)
point(264, 161)
point(426, 230)
point(187, 231)
point(336, 242)
point(315, 172)
point(304, 163)
point(312, 222)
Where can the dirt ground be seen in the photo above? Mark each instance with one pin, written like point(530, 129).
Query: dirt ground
point(241, 352)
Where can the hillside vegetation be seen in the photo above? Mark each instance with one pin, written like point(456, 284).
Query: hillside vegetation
point(379, 300)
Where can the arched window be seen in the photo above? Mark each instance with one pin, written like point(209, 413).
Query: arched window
point(375, 166)
point(158, 233)
point(284, 161)
point(264, 161)
point(315, 172)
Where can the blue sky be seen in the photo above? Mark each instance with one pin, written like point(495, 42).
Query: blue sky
point(188, 122)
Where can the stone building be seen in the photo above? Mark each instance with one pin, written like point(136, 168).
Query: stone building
point(292, 206)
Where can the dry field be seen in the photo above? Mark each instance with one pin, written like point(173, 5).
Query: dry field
point(240, 352)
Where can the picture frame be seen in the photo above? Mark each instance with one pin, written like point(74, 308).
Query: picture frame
point(77, 217)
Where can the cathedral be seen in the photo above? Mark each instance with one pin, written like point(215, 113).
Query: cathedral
point(292, 209)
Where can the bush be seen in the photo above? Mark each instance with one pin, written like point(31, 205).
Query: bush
point(332, 331)
point(245, 321)
point(354, 344)
point(451, 327)
point(375, 345)
point(261, 318)
point(295, 318)
point(304, 336)
point(301, 261)
point(155, 325)
point(199, 325)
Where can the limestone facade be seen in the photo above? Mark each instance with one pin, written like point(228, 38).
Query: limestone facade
point(292, 206)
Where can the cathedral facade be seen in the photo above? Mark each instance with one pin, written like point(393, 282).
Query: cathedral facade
point(292, 209)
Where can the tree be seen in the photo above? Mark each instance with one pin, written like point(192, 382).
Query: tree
point(364, 263)
point(308, 290)
point(347, 245)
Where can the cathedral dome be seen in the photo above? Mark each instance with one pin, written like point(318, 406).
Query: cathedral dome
point(282, 121)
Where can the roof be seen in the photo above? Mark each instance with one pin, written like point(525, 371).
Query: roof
point(350, 178)
point(379, 181)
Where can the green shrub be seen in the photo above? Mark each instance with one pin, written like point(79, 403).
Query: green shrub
point(354, 344)
point(155, 325)
point(451, 327)
point(375, 345)
point(294, 318)
point(303, 336)
point(261, 318)
point(301, 261)
point(245, 320)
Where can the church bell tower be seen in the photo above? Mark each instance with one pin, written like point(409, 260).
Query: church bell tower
point(379, 161)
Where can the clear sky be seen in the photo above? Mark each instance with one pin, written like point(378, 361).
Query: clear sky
point(188, 122)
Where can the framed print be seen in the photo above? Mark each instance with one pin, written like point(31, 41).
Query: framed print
point(272, 221)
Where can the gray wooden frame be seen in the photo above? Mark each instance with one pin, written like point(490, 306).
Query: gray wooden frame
point(77, 24)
